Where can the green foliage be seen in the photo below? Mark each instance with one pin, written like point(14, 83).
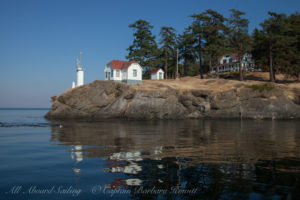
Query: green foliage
point(292, 65)
point(197, 32)
point(260, 50)
point(203, 41)
point(144, 48)
point(262, 87)
point(168, 41)
point(214, 34)
point(186, 51)
point(275, 47)
point(239, 38)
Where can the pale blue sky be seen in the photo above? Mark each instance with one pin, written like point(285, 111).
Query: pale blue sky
point(41, 39)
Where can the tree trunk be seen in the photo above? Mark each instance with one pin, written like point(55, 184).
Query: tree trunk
point(185, 68)
point(200, 68)
point(199, 52)
point(271, 64)
point(166, 63)
point(210, 63)
point(240, 68)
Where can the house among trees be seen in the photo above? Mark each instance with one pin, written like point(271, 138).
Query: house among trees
point(230, 63)
point(129, 72)
point(157, 74)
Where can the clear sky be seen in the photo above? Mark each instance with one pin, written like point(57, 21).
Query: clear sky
point(41, 39)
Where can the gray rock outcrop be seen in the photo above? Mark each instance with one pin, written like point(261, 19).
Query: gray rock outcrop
point(106, 99)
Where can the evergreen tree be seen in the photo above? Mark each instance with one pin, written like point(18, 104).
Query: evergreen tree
point(144, 47)
point(260, 49)
point(197, 30)
point(239, 37)
point(274, 39)
point(294, 33)
point(186, 50)
point(169, 44)
point(214, 34)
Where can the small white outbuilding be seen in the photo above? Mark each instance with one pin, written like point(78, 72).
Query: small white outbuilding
point(157, 74)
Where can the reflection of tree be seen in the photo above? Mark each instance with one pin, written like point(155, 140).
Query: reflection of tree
point(222, 159)
point(157, 175)
point(278, 177)
point(212, 181)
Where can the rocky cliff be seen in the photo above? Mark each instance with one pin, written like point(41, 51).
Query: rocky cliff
point(185, 98)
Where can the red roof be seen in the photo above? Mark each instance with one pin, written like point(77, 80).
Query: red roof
point(155, 70)
point(234, 55)
point(119, 64)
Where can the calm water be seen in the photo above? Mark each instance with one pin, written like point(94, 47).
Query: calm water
point(114, 159)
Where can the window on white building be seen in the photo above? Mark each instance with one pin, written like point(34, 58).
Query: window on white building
point(117, 73)
point(134, 73)
point(112, 73)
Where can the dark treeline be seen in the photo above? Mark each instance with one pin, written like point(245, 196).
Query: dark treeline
point(275, 46)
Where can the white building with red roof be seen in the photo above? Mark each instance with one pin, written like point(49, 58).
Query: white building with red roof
point(229, 63)
point(129, 72)
point(157, 74)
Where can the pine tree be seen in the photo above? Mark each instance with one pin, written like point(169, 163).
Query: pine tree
point(197, 30)
point(144, 47)
point(239, 37)
point(260, 49)
point(168, 41)
point(186, 50)
point(294, 22)
point(214, 34)
point(277, 42)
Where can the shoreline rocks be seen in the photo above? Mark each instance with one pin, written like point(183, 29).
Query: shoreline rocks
point(107, 99)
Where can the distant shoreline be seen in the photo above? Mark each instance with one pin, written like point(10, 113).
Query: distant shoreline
point(24, 108)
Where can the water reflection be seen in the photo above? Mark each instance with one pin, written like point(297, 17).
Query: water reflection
point(220, 159)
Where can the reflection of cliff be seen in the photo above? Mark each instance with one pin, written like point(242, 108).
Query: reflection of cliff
point(202, 141)
point(222, 159)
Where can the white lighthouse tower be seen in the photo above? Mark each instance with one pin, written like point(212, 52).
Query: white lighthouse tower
point(80, 72)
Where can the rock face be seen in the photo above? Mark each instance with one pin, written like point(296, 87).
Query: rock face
point(105, 99)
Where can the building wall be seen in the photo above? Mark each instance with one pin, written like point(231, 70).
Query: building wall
point(231, 64)
point(162, 74)
point(227, 59)
point(119, 78)
point(80, 79)
point(130, 70)
point(155, 76)
point(107, 70)
point(132, 82)
point(125, 75)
